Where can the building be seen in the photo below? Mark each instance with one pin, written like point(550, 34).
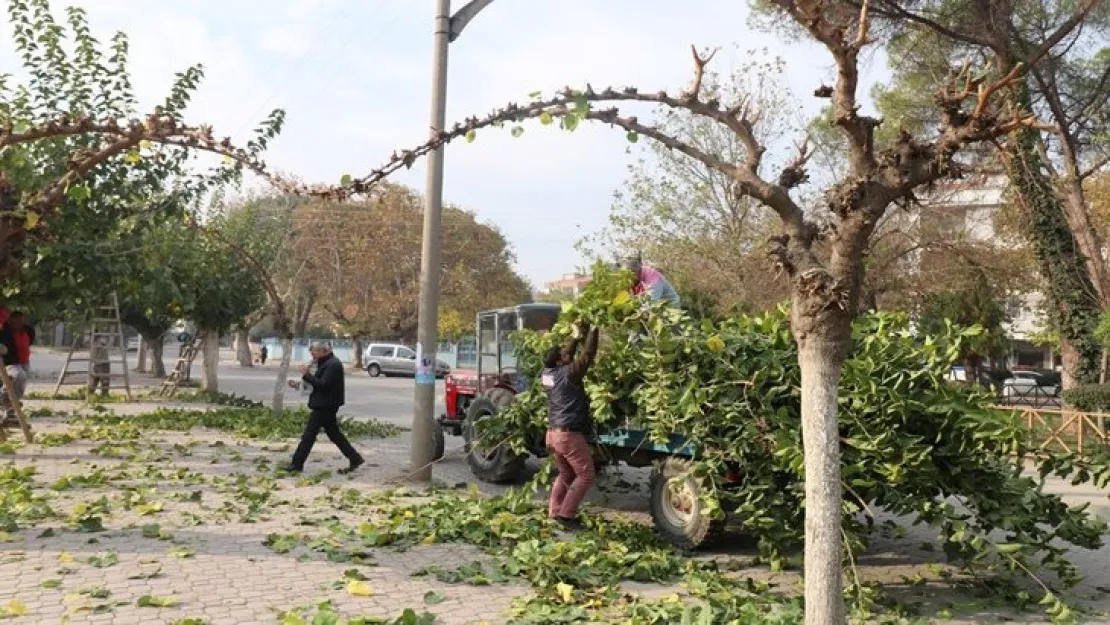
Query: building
point(969, 206)
point(572, 283)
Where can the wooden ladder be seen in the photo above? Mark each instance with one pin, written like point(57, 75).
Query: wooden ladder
point(104, 323)
point(182, 370)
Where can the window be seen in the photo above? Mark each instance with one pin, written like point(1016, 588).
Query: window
point(404, 352)
point(381, 351)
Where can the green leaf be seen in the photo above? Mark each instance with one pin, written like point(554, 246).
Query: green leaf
point(470, 135)
point(346, 180)
point(151, 601)
point(545, 118)
point(517, 131)
point(78, 192)
point(432, 597)
point(632, 136)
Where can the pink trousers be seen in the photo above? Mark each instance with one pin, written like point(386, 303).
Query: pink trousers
point(576, 472)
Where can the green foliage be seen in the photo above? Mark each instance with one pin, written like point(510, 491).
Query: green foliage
point(256, 423)
point(1089, 397)
point(912, 445)
point(98, 238)
point(976, 306)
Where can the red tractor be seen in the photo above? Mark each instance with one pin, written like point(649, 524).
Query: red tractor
point(474, 393)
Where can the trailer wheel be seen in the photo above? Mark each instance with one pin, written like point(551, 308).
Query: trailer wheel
point(677, 509)
point(498, 465)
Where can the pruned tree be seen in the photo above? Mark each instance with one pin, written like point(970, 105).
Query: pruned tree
point(825, 293)
point(1062, 43)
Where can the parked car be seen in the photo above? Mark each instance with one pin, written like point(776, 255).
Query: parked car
point(395, 359)
point(133, 344)
point(1028, 385)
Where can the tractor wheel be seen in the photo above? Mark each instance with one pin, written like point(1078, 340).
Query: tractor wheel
point(438, 443)
point(677, 509)
point(374, 371)
point(499, 465)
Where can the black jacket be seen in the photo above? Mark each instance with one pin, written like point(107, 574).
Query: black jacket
point(327, 384)
point(568, 405)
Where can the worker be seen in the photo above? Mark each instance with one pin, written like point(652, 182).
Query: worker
point(101, 362)
point(649, 283)
point(568, 419)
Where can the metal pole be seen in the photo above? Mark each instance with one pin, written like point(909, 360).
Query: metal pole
point(424, 398)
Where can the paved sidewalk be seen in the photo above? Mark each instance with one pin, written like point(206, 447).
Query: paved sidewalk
point(190, 515)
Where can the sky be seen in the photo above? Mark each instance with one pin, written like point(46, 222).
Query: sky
point(354, 77)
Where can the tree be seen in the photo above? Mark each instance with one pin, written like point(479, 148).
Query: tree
point(260, 236)
point(975, 304)
point(81, 172)
point(1068, 85)
point(364, 258)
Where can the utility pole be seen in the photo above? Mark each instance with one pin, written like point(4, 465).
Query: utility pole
point(447, 29)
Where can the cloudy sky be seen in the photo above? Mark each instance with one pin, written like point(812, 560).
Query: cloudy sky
point(354, 78)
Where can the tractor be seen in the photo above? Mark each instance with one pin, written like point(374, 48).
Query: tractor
point(472, 394)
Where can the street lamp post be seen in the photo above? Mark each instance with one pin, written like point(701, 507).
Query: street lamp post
point(447, 28)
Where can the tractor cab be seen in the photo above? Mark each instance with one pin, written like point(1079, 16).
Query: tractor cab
point(493, 368)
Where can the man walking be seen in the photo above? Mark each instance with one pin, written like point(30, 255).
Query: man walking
point(326, 398)
point(568, 418)
point(16, 337)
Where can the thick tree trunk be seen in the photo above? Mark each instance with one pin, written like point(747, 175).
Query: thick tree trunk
point(1070, 359)
point(278, 403)
point(356, 357)
point(243, 347)
point(140, 362)
point(157, 362)
point(211, 354)
point(821, 360)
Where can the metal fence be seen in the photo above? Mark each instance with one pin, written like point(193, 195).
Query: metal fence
point(1028, 396)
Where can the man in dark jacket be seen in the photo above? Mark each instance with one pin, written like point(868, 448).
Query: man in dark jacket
point(326, 398)
point(568, 418)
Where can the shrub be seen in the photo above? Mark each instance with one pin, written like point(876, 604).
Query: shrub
point(1089, 397)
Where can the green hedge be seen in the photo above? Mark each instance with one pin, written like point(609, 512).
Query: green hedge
point(1089, 397)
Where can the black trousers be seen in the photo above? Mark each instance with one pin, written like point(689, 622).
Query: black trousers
point(323, 419)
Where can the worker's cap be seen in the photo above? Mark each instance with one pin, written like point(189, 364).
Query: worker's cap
point(631, 261)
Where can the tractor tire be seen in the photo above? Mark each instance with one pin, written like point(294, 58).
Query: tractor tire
point(438, 442)
point(497, 466)
point(374, 371)
point(677, 509)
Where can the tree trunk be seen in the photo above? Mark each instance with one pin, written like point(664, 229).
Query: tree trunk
point(821, 360)
point(356, 358)
point(157, 362)
point(243, 347)
point(1070, 359)
point(140, 362)
point(211, 350)
point(283, 371)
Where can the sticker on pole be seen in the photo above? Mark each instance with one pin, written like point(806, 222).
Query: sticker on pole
point(425, 367)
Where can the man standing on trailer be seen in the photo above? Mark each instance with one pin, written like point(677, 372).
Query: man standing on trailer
point(568, 418)
point(649, 282)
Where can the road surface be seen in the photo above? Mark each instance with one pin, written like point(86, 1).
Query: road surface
point(386, 399)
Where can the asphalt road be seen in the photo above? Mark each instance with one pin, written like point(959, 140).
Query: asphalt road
point(386, 399)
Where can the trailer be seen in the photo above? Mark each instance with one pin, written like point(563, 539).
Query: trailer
point(473, 394)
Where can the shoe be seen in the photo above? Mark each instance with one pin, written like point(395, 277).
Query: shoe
point(291, 469)
point(355, 464)
point(569, 524)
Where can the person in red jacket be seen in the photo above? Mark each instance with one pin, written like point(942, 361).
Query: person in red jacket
point(16, 338)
